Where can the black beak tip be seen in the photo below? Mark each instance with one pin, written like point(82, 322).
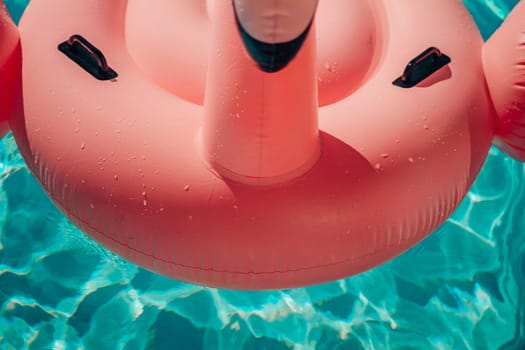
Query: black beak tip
point(271, 58)
point(272, 67)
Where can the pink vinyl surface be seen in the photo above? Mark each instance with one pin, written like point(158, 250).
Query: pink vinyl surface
point(9, 68)
point(197, 165)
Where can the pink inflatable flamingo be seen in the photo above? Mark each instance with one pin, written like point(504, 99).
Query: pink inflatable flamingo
point(9, 68)
point(260, 144)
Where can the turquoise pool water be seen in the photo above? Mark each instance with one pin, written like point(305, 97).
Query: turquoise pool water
point(462, 288)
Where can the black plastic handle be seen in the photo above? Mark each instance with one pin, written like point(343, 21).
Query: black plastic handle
point(87, 56)
point(421, 67)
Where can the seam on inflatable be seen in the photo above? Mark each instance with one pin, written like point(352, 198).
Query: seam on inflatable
point(428, 227)
point(261, 132)
point(84, 223)
point(513, 145)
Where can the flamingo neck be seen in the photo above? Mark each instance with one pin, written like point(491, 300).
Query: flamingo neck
point(259, 128)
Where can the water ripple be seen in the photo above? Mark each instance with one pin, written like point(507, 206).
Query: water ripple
point(60, 290)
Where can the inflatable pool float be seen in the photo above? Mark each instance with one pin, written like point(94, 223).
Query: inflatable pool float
point(9, 68)
point(263, 144)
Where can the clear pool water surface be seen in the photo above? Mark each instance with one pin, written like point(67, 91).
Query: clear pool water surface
point(462, 288)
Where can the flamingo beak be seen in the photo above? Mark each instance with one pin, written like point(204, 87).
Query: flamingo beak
point(273, 34)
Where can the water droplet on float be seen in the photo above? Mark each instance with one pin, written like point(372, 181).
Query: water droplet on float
point(144, 198)
point(378, 166)
point(77, 130)
point(410, 160)
point(384, 155)
point(425, 127)
point(82, 146)
point(83, 181)
point(187, 188)
point(330, 67)
point(115, 177)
